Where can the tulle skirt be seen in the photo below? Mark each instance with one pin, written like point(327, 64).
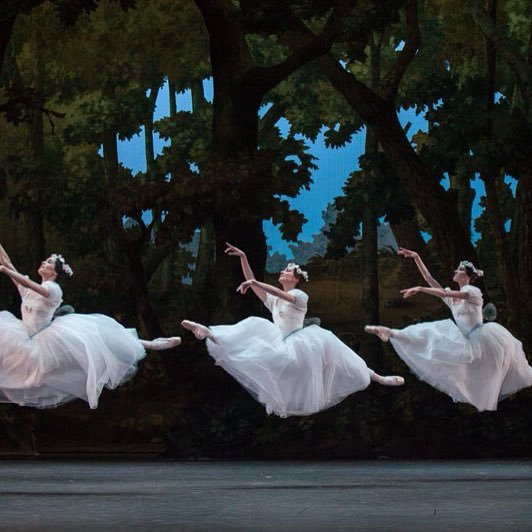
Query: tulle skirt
point(75, 357)
point(306, 372)
point(480, 368)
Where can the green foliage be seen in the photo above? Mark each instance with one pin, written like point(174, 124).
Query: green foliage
point(101, 63)
point(375, 184)
point(125, 114)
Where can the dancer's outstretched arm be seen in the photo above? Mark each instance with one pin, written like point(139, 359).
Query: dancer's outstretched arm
point(273, 290)
point(18, 278)
point(6, 261)
point(420, 265)
point(246, 269)
point(438, 292)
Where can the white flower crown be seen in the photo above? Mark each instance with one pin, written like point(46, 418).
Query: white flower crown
point(298, 270)
point(471, 266)
point(66, 268)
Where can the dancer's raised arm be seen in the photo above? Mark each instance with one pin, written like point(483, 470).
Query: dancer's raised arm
point(246, 270)
point(265, 287)
point(421, 266)
point(20, 279)
point(438, 292)
point(6, 261)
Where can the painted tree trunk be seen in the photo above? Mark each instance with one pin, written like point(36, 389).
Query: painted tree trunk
point(136, 269)
point(234, 138)
point(36, 241)
point(370, 266)
point(465, 194)
point(204, 283)
point(507, 272)
point(408, 235)
point(171, 98)
point(246, 235)
point(524, 250)
point(148, 129)
point(6, 30)
point(203, 279)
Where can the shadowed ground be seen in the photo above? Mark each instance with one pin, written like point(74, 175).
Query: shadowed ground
point(384, 495)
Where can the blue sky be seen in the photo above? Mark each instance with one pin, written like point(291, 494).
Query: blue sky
point(335, 165)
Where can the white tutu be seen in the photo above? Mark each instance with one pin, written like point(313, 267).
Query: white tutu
point(45, 363)
point(472, 362)
point(291, 373)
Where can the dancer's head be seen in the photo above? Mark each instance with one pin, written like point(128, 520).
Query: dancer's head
point(466, 273)
point(291, 275)
point(54, 267)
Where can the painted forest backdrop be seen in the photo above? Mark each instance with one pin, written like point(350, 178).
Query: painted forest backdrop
point(77, 76)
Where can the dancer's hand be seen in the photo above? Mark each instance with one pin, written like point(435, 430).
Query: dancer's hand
point(245, 286)
point(232, 250)
point(409, 292)
point(407, 253)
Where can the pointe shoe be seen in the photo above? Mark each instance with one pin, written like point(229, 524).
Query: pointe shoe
point(160, 344)
point(382, 332)
point(197, 329)
point(391, 380)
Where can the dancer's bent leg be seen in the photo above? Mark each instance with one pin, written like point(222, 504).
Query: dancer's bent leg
point(160, 344)
point(197, 329)
point(384, 333)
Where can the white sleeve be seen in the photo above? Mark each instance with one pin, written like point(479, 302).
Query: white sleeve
point(475, 295)
point(55, 294)
point(448, 300)
point(301, 299)
point(269, 302)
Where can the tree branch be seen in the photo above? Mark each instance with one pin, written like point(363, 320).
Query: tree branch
point(6, 29)
point(262, 79)
point(391, 80)
point(417, 178)
point(156, 257)
point(22, 102)
point(270, 118)
point(511, 54)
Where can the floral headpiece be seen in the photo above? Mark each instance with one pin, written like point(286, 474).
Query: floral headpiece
point(66, 268)
point(298, 270)
point(471, 266)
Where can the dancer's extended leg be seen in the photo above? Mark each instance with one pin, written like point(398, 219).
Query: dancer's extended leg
point(197, 329)
point(389, 380)
point(384, 333)
point(160, 344)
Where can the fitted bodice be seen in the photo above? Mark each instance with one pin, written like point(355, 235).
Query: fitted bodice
point(467, 313)
point(38, 311)
point(288, 316)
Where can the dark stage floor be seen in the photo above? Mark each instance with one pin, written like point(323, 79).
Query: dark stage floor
point(211, 496)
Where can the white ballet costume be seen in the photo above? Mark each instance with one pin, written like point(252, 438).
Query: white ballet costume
point(290, 369)
point(45, 362)
point(471, 361)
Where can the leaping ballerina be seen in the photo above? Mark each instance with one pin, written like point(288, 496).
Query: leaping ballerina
point(289, 368)
point(45, 362)
point(469, 360)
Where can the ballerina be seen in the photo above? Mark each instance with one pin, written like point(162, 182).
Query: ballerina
point(289, 368)
point(46, 361)
point(471, 361)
